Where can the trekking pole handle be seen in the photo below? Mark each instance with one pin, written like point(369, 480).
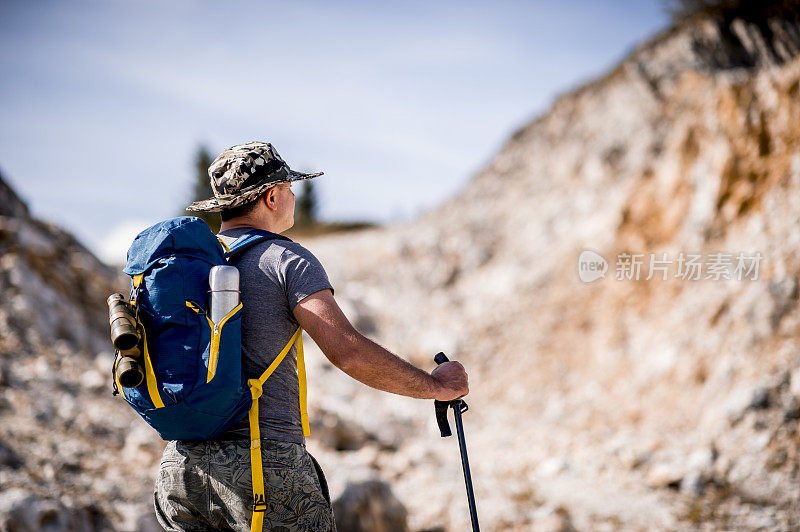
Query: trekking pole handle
point(441, 358)
point(441, 406)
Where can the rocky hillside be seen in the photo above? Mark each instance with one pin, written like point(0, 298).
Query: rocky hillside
point(70, 457)
point(618, 404)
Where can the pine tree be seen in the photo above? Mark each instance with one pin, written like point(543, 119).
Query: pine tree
point(201, 189)
point(307, 205)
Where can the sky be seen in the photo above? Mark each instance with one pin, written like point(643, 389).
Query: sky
point(103, 104)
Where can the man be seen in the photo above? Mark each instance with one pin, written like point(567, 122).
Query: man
point(207, 485)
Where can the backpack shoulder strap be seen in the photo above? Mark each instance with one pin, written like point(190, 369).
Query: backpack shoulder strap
point(250, 239)
point(256, 385)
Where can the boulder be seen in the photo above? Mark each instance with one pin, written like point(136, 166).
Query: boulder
point(369, 506)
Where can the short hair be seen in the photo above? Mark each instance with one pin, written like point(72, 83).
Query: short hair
point(240, 210)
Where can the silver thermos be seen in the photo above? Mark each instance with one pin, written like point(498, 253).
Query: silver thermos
point(224, 283)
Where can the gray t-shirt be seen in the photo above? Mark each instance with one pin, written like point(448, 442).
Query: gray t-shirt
point(274, 276)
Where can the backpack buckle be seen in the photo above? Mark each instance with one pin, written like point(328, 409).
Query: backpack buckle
point(259, 504)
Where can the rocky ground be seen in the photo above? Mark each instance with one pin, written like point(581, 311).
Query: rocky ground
point(613, 405)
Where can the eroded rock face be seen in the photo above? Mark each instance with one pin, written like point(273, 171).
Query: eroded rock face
point(654, 404)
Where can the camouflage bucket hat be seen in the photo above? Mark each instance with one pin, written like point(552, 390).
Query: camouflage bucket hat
point(242, 173)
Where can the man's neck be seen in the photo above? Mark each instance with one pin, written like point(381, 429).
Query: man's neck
point(237, 223)
point(231, 224)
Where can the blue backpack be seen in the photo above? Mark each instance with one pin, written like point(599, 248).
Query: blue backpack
point(194, 387)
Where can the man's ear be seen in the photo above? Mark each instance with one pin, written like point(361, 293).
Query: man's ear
point(269, 198)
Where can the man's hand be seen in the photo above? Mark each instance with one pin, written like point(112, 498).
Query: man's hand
point(366, 361)
point(452, 380)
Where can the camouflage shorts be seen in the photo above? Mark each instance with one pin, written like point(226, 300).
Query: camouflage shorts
point(208, 486)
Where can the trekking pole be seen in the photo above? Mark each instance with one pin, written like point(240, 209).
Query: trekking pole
point(459, 407)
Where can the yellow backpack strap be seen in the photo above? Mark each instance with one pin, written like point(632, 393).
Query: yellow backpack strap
point(257, 472)
point(256, 389)
point(301, 377)
point(149, 373)
point(224, 245)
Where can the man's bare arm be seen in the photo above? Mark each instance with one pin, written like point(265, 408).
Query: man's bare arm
point(366, 361)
